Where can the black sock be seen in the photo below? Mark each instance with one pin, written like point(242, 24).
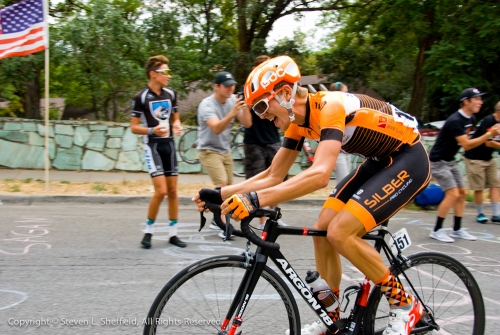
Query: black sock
point(439, 223)
point(458, 223)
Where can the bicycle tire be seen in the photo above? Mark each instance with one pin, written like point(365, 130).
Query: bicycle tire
point(211, 282)
point(238, 154)
point(187, 146)
point(453, 295)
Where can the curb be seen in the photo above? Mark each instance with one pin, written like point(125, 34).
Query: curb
point(41, 199)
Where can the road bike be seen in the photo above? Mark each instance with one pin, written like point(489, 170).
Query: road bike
point(189, 154)
point(241, 294)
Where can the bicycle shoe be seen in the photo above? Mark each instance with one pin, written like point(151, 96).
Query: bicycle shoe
point(146, 241)
point(402, 320)
point(175, 241)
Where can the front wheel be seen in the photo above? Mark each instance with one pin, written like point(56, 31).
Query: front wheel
point(198, 298)
point(446, 288)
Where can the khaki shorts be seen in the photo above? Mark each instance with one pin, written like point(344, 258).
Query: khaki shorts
point(218, 166)
point(481, 174)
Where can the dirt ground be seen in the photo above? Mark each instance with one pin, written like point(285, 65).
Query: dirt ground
point(138, 187)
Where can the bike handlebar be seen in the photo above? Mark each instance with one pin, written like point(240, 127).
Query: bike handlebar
point(246, 232)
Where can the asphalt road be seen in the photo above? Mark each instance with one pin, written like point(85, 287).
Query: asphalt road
point(79, 268)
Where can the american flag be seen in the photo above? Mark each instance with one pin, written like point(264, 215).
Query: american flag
point(22, 29)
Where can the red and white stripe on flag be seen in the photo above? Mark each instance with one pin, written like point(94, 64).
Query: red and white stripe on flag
point(22, 29)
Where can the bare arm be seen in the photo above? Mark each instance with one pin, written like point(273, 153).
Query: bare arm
point(274, 175)
point(219, 125)
point(312, 179)
point(468, 144)
point(136, 128)
point(176, 124)
point(493, 144)
point(245, 118)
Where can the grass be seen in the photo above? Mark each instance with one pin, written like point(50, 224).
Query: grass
point(99, 187)
point(27, 180)
point(65, 182)
point(14, 188)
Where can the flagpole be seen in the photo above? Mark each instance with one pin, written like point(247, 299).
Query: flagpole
point(47, 159)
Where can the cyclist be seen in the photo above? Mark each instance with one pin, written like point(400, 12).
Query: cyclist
point(396, 169)
point(150, 106)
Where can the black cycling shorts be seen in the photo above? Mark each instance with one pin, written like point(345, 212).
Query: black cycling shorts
point(377, 190)
point(161, 159)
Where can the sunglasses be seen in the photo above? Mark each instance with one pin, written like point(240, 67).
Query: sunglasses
point(164, 72)
point(260, 108)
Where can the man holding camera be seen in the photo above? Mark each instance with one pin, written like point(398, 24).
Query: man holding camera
point(216, 115)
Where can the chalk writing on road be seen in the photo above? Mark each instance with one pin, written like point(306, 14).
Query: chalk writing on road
point(34, 234)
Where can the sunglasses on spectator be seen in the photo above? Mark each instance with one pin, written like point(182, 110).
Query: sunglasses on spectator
point(260, 108)
point(164, 72)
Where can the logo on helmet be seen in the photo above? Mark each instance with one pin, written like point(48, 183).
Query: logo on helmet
point(273, 77)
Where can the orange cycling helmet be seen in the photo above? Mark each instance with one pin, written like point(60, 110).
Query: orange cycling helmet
point(267, 75)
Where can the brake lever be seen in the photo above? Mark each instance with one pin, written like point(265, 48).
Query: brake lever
point(229, 227)
point(203, 220)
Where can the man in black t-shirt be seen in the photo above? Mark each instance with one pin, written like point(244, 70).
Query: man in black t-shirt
point(482, 170)
point(455, 133)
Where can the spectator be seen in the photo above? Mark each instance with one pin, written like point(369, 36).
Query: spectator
point(153, 104)
point(216, 115)
point(444, 168)
point(262, 142)
point(482, 170)
point(343, 164)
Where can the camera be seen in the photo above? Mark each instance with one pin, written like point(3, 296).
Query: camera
point(241, 95)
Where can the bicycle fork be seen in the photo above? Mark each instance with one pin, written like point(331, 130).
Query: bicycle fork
point(243, 295)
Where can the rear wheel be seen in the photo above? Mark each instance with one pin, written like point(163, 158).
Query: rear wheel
point(197, 299)
point(187, 146)
point(446, 288)
point(238, 153)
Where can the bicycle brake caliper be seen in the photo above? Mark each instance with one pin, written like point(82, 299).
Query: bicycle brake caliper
point(248, 256)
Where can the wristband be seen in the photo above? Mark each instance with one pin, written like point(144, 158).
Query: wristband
point(150, 131)
point(488, 133)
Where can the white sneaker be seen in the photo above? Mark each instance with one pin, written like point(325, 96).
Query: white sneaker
point(281, 223)
point(402, 321)
point(222, 235)
point(441, 235)
point(317, 328)
point(462, 233)
point(214, 226)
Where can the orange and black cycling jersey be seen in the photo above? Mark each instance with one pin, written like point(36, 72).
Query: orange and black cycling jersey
point(366, 126)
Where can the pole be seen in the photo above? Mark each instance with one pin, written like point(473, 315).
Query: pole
point(47, 159)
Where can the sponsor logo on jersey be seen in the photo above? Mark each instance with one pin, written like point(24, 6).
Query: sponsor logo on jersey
point(395, 187)
point(382, 121)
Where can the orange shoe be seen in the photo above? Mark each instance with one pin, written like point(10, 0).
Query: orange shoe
point(402, 321)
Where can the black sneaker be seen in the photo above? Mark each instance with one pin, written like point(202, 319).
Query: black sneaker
point(146, 241)
point(175, 241)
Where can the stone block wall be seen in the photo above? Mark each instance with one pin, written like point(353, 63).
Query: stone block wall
point(92, 146)
point(73, 145)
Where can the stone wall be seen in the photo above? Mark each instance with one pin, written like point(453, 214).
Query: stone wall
point(73, 145)
point(90, 146)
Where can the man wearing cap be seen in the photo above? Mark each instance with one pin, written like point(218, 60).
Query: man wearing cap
point(453, 135)
point(216, 115)
point(482, 170)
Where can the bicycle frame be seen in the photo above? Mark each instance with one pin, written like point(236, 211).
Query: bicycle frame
point(270, 233)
